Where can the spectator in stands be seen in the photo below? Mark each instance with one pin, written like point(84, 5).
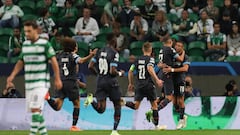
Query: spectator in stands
point(86, 28)
point(189, 90)
point(226, 23)
point(127, 13)
point(185, 28)
point(10, 14)
point(161, 27)
point(11, 92)
point(15, 43)
point(177, 6)
point(194, 6)
point(52, 8)
point(205, 26)
point(138, 28)
point(228, 8)
point(46, 23)
point(56, 42)
point(233, 40)
point(122, 41)
point(68, 17)
point(96, 12)
point(111, 12)
point(148, 11)
point(161, 4)
point(231, 89)
point(216, 44)
point(213, 11)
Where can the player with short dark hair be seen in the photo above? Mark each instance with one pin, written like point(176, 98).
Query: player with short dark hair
point(34, 57)
point(68, 61)
point(146, 77)
point(106, 61)
point(180, 69)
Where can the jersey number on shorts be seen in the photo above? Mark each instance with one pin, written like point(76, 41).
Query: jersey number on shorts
point(141, 74)
point(103, 66)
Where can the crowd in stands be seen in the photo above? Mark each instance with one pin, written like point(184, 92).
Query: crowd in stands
point(209, 28)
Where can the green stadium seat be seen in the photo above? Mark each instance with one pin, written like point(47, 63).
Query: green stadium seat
point(105, 30)
point(233, 59)
point(136, 48)
point(14, 59)
point(29, 17)
point(40, 4)
point(98, 44)
point(173, 18)
point(83, 49)
point(138, 3)
point(5, 34)
point(101, 3)
point(196, 58)
point(28, 7)
point(125, 30)
point(157, 46)
point(218, 3)
point(194, 17)
point(102, 37)
point(3, 59)
point(196, 48)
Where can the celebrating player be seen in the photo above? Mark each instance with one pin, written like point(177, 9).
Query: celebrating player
point(34, 57)
point(145, 84)
point(106, 61)
point(67, 61)
point(179, 72)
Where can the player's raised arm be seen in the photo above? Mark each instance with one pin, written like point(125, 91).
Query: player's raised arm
point(92, 53)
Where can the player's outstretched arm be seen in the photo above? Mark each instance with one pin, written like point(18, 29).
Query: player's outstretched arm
point(57, 81)
point(92, 53)
point(18, 67)
point(151, 71)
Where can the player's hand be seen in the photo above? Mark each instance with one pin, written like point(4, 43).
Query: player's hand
point(162, 65)
point(159, 83)
point(93, 52)
point(167, 69)
point(122, 73)
point(58, 84)
point(9, 81)
point(130, 87)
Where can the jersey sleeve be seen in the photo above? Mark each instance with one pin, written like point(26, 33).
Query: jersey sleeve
point(49, 50)
point(151, 62)
point(186, 60)
point(76, 58)
point(115, 60)
point(174, 53)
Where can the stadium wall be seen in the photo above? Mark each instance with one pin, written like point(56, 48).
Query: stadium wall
point(203, 113)
point(209, 77)
point(210, 85)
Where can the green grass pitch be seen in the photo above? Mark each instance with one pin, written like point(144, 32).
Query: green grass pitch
point(132, 132)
